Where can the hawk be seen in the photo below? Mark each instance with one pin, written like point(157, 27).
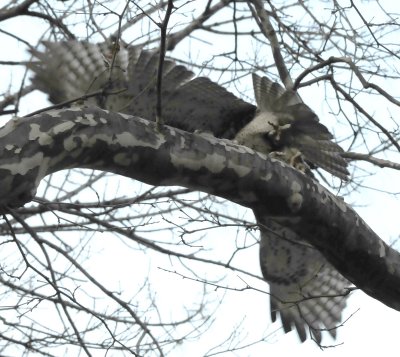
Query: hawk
point(306, 290)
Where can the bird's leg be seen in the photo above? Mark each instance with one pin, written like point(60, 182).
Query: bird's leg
point(296, 160)
point(291, 156)
point(279, 155)
point(277, 130)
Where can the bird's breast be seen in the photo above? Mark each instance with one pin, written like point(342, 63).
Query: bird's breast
point(256, 133)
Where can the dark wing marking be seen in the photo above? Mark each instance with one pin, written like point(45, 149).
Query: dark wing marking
point(69, 69)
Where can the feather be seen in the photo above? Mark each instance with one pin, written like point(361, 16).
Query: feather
point(70, 69)
point(306, 291)
point(282, 122)
point(288, 125)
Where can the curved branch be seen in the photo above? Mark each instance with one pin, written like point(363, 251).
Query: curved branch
point(32, 148)
point(16, 10)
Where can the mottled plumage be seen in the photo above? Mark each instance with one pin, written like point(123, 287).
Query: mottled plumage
point(308, 292)
point(297, 273)
point(70, 69)
point(282, 126)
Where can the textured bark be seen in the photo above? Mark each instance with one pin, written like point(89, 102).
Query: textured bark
point(34, 147)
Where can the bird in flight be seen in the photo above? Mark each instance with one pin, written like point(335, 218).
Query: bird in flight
point(306, 291)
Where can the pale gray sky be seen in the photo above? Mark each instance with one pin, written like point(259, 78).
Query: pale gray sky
point(372, 328)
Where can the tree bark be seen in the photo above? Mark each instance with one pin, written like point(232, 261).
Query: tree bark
point(89, 137)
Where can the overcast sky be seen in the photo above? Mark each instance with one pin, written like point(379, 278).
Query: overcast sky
point(372, 327)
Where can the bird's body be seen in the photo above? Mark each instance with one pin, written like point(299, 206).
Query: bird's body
point(263, 133)
point(284, 124)
point(305, 289)
point(281, 125)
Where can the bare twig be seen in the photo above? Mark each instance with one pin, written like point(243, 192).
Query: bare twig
point(354, 68)
point(373, 160)
point(209, 11)
point(307, 71)
point(77, 99)
point(138, 18)
point(367, 24)
point(53, 21)
point(364, 112)
point(11, 98)
point(163, 29)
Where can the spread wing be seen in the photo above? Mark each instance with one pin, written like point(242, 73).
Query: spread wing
point(125, 81)
point(70, 69)
point(298, 127)
point(306, 291)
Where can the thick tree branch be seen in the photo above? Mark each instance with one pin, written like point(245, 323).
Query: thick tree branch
point(34, 147)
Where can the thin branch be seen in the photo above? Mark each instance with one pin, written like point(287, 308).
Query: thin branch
point(55, 22)
point(307, 71)
point(209, 11)
point(17, 10)
point(354, 68)
point(373, 160)
point(137, 18)
point(163, 29)
point(77, 99)
point(53, 279)
point(11, 98)
point(367, 24)
point(364, 112)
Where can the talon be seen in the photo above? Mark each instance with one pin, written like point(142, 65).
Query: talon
point(277, 130)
